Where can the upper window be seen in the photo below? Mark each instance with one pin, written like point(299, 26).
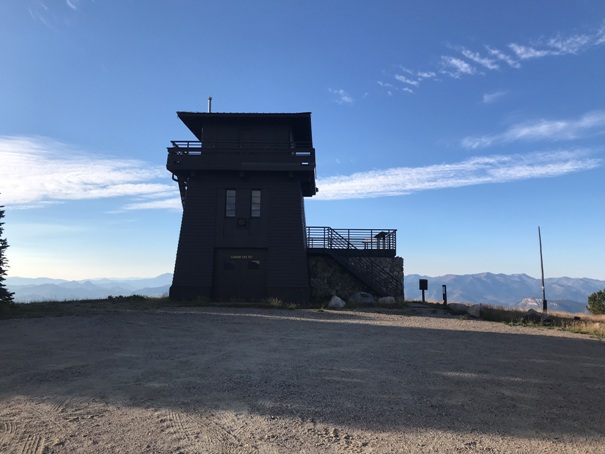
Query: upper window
point(230, 203)
point(255, 200)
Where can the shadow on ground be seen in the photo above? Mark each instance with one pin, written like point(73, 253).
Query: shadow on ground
point(351, 369)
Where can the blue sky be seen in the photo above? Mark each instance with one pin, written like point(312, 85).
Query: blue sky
point(464, 125)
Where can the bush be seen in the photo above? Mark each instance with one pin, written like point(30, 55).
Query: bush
point(596, 303)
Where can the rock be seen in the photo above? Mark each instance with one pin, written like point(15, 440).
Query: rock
point(548, 320)
point(387, 300)
point(474, 310)
point(457, 308)
point(532, 316)
point(362, 299)
point(336, 303)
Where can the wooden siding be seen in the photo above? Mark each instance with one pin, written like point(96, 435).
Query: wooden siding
point(280, 230)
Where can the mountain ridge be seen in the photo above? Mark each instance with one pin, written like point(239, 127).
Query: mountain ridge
point(513, 290)
point(47, 289)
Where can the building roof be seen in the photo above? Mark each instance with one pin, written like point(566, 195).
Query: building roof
point(301, 121)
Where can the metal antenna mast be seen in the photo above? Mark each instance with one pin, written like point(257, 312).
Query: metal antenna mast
point(544, 303)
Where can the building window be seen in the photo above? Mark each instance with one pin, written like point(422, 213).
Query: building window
point(255, 203)
point(230, 203)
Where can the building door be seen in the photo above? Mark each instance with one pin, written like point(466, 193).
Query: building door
point(240, 274)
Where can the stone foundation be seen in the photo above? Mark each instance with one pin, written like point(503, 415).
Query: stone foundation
point(329, 278)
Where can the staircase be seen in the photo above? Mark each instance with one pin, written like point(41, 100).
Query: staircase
point(353, 249)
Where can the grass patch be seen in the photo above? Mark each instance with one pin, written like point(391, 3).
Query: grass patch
point(114, 304)
point(593, 325)
point(85, 307)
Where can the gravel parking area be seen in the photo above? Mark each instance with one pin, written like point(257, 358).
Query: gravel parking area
point(244, 380)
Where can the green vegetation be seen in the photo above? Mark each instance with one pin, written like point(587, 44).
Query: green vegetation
point(596, 303)
point(6, 297)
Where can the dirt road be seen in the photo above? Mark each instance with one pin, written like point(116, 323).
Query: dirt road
point(223, 380)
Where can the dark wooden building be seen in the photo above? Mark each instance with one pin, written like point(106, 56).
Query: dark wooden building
point(242, 184)
point(243, 233)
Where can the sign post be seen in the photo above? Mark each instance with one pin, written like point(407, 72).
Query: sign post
point(424, 285)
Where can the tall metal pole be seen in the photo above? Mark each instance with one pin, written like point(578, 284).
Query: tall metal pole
point(544, 303)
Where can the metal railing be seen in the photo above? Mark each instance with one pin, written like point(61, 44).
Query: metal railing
point(195, 147)
point(365, 268)
point(362, 239)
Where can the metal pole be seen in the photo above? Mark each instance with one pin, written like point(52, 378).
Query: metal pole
point(544, 303)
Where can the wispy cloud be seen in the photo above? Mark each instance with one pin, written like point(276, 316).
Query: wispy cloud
point(474, 171)
point(54, 13)
point(588, 125)
point(409, 79)
point(73, 4)
point(406, 80)
point(456, 67)
point(462, 61)
point(502, 56)
point(342, 97)
point(558, 45)
point(38, 171)
point(475, 57)
point(489, 98)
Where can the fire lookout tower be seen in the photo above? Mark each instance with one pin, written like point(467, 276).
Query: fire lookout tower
point(242, 185)
point(243, 232)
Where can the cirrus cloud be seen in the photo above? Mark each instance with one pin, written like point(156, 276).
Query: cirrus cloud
point(473, 171)
point(37, 171)
point(589, 124)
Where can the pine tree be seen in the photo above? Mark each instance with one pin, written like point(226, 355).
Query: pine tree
point(596, 303)
point(6, 297)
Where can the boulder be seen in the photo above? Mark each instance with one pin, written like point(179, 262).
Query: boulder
point(386, 300)
point(474, 310)
point(336, 303)
point(457, 308)
point(532, 316)
point(362, 299)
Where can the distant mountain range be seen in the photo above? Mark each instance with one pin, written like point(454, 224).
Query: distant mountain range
point(44, 289)
point(516, 290)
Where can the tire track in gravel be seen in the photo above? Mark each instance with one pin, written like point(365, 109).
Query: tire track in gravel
point(17, 438)
point(227, 429)
point(8, 430)
point(214, 433)
point(64, 414)
point(182, 435)
point(32, 444)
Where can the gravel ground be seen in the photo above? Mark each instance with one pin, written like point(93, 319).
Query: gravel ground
point(223, 380)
